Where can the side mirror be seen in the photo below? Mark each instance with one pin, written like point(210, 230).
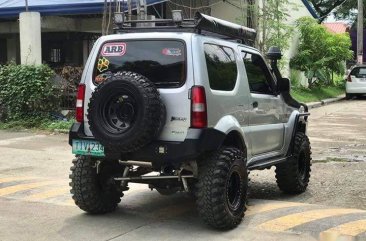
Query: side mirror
point(274, 53)
point(283, 85)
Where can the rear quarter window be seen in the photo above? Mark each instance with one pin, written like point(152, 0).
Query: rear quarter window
point(161, 61)
point(221, 67)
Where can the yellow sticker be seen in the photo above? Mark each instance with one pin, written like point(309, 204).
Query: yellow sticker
point(103, 64)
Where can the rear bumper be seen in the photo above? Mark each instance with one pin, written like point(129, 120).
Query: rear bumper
point(162, 153)
point(355, 88)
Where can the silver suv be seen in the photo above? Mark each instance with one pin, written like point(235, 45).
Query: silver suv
point(183, 107)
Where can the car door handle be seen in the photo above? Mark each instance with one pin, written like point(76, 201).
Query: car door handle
point(255, 104)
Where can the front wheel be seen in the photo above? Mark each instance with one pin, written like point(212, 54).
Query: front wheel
point(94, 192)
point(222, 188)
point(293, 176)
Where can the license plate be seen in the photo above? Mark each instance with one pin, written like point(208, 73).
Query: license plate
point(88, 148)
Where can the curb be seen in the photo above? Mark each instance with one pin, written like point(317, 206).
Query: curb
point(313, 105)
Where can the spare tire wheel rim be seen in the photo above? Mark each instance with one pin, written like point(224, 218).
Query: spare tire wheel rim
point(119, 112)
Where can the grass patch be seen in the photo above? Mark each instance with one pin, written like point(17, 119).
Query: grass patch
point(37, 124)
point(316, 94)
point(331, 159)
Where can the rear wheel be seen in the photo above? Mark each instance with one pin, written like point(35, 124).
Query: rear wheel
point(222, 188)
point(349, 96)
point(293, 176)
point(94, 192)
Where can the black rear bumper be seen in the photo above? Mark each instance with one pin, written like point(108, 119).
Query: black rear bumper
point(162, 153)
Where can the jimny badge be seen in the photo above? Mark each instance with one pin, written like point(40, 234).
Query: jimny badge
point(113, 49)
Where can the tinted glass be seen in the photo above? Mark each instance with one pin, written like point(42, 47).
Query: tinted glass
point(259, 77)
point(221, 67)
point(359, 72)
point(163, 62)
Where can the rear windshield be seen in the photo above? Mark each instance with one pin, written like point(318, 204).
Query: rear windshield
point(163, 61)
point(359, 72)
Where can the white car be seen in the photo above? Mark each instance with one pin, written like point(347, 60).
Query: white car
point(356, 81)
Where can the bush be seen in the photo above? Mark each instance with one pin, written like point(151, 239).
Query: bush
point(321, 54)
point(27, 92)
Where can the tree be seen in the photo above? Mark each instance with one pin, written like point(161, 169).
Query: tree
point(325, 7)
point(341, 9)
point(321, 53)
point(271, 20)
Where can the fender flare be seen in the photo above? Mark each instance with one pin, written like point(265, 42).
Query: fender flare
point(229, 124)
point(300, 126)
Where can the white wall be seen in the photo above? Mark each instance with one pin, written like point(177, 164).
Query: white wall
point(30, 38)
point(228, 12)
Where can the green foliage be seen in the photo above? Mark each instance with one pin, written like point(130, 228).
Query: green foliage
point(320, 53)
point(39, 123)
point(325, 7)
point(59, 125)
point(271, 19)
point(295, 77)
point(317, 94)
point(27, 91)
point(341, 9)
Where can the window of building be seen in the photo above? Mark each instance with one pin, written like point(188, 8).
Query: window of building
point(259, 77)
point(221, 67)
point(55, 55)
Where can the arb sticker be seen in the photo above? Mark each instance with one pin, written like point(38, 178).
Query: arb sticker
point(172, 52)
point(114, 49)
point(103, 64)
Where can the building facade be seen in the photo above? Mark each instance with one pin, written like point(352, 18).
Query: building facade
point(69, 28)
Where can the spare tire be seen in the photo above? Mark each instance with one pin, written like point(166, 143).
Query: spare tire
point(125, 112)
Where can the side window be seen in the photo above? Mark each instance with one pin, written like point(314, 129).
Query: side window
point(259, 77)
point(221, 67)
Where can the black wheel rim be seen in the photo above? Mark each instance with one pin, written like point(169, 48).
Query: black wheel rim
point(302, 167)
point(119, 112)
point(233, 194)
point(105, 180)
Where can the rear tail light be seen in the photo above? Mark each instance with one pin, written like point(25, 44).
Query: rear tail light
point(80, 103)
point(198, 107)
point(349, 79)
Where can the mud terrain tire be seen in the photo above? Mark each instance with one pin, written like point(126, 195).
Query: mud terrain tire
point(92, 192)
point(293, 176)
point(222, 188)
point(125, 112)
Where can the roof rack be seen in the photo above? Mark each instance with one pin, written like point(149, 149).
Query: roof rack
point(201, 24)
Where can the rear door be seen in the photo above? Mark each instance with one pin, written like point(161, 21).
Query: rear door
point(266, 130)
point(163, 61)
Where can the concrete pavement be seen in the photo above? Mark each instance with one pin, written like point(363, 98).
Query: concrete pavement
point(35, 203)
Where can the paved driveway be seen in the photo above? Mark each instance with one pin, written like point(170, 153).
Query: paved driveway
point(35, 203)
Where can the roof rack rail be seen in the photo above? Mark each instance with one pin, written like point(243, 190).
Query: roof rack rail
point(201, 24)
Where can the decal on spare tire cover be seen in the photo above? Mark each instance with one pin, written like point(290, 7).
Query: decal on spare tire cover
point(113, 49)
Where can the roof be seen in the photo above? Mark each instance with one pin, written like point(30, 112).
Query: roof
point(337, 27)
point(12, 8)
